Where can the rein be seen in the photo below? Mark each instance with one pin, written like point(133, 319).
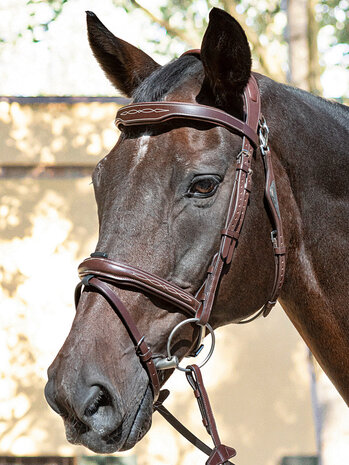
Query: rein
point(95, 272)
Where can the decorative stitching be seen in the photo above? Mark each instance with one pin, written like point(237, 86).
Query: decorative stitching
point(134, 111)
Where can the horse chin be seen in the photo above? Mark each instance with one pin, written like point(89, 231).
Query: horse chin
point(94, 442)
point(124, 437)
point(142, 421)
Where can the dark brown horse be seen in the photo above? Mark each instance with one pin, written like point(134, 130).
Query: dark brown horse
point(162, 195)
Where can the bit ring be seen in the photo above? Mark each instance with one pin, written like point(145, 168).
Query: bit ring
point(183, 323)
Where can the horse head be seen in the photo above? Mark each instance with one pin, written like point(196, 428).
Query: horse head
point(162, 194)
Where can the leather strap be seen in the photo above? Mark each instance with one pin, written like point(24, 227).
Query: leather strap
point(121, 274)
point(220, 453)
point(193, 51)
point(237, 206)
point(277, 236)
point(178, 426)
point(159, 112)
point(142, 349)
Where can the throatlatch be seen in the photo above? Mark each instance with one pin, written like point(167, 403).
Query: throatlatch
point(95, 272)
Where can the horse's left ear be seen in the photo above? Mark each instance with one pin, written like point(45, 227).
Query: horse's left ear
point(226, 57)
point(126, 66)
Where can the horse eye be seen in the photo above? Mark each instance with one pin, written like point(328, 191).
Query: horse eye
point(204, 187)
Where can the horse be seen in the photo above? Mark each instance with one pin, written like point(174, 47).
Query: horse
point(163, 193)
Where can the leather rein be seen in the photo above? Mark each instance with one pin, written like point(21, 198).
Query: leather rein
point(97, 271)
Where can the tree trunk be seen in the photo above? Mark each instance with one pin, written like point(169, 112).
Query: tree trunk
point(304, 67)
point(314, 72)
point(298, 50)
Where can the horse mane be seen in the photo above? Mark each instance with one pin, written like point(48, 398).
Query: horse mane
point(271, 89)
point(336, 110)
point(167, 78)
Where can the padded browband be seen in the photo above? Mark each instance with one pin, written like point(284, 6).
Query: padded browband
point(159, 112)
point(128, 275)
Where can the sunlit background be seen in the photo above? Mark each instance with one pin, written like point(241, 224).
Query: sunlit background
point(44, 50)
point(260, 378)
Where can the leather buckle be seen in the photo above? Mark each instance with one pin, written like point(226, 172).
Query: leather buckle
point(99, 255)
point(273, 236)
point(85, 280)
point(138, 346)
point(231, 234)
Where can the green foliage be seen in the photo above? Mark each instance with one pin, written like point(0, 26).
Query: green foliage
point(35, 28)
point(190, 16)
point(176, 25)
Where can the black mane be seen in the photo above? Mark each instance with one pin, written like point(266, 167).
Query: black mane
point(167, 78)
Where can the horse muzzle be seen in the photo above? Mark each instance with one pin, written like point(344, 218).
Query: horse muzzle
point(97, 418)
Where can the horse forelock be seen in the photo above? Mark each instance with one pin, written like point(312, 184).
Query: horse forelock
point(167, 78)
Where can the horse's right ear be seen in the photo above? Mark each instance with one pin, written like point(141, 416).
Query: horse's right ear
point(226, 57)
point(125, 65)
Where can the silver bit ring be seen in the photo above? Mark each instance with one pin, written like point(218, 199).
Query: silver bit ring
point(183, 323)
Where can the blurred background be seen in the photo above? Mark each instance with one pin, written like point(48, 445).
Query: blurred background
point(56, 121)
point(44, 49)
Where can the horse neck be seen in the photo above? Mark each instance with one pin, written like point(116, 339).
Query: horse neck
point(307, 137)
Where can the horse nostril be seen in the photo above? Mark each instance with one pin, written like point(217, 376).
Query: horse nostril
point(50, 397)
point(85, 408)
point(98, 397)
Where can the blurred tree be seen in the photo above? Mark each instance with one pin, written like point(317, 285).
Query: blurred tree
point(314, 68)
point(187, 20)
point(303, 56)
point(56, 8)
point(336, 14)
point(265, 23)
point(298, 50)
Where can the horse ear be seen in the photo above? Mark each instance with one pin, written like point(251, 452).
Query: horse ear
point(226, 57)
point(125, 65)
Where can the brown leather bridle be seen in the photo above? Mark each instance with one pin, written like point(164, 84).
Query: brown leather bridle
point(95, 272)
